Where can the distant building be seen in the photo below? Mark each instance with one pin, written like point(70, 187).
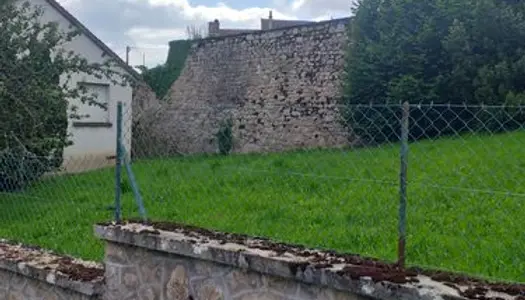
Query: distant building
point(270, 23)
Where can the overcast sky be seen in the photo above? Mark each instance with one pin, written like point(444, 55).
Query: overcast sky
point(148, 25)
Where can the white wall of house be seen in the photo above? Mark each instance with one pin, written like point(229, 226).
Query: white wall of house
point(94, 137)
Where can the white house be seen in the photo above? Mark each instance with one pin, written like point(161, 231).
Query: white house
point(94, 138)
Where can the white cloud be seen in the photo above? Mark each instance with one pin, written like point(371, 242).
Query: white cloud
point(297, 4)
point(147, 34)
point(153, 41)
point(151, 56)
point(149, 25)
point(150, 44)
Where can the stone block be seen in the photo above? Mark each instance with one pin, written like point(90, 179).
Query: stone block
point(177, 287)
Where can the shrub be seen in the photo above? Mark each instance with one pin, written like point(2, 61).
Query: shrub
point(34, 101)
point(435, 53)
point(19, 168)
point(225, 137)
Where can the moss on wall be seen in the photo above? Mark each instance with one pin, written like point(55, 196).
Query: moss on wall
point(160, 78)
point(178, 52)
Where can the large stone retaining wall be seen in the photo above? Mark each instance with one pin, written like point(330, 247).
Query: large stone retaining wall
point(279, 87)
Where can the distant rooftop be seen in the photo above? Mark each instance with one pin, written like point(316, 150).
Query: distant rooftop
point(269, 23)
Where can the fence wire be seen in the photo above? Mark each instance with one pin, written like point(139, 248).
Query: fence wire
point(284, 178)
point(322, 175)
point(274, 178)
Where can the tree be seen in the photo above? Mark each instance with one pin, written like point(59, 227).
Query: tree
point(436, 51)
point(34, 99)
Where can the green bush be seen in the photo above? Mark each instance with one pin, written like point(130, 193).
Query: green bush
point(34, 103)
point(435, 52)
point(161, 77)
point(225, 137)
point(19, 168)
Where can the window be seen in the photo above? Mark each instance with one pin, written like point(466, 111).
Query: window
point(98, 116)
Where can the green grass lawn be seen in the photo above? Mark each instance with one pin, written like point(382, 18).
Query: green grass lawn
point(344, 200)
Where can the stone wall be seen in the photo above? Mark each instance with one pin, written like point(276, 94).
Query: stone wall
point(30, 273)
point(144, 143)
point(168, 261)
point(279, 87)
point(145, 274)
point(163, 261)
point(144, 99)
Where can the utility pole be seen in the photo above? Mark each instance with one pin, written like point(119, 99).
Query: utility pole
point(128, 49)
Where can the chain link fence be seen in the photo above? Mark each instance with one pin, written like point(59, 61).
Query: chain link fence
point(446, 180)
point(438, 186)
point(432, 185)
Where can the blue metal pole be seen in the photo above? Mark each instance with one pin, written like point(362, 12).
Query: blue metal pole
point(403, 185)
point(135, 187)
point(118, 164)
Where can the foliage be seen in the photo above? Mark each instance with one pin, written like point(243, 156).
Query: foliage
point(19, 167)
point(34, 99)
point(161, 77)
point(225, 137)
point(436, 51)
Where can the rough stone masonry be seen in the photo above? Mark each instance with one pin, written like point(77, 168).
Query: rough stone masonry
point(280, 88)
point(162, 260)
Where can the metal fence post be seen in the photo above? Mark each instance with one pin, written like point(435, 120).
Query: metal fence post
point(403, 184)
point(118, 164)
point(134, 186)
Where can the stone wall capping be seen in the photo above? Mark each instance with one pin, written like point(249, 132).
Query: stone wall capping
point(366, 277)
point(278, 31)
point(83, 277)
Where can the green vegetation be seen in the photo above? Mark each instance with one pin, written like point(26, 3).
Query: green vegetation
point(161, 77)
point(225, 137)
point(34, 103)
point(344, 200)
point(436, 51)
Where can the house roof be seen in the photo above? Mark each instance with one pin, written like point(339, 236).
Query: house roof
point(93, 37)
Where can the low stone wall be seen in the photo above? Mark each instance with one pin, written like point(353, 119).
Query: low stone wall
point(166, 261)
point(163, 261)
point(31, 273)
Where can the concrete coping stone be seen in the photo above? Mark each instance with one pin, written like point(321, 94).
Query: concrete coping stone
point(66, 272)
point(346, 272)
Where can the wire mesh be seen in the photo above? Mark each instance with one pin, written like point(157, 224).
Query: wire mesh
point(321, 175)
point(464, 184)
